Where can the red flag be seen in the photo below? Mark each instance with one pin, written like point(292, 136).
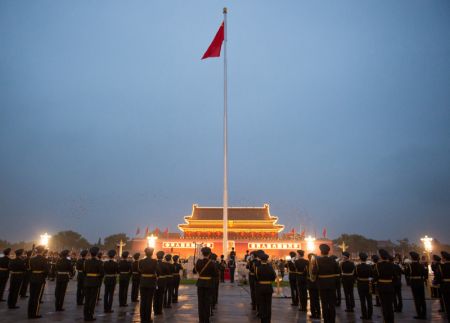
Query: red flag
point(293, 231)
point(166, 232)
point(146, 231)
point(138, 231)
point(302, 234)
point(216, 45)
point(156, 231)
point(324, 232)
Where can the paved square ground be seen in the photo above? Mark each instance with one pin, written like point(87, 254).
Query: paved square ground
point(234, 307)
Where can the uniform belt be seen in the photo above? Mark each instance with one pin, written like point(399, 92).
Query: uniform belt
point(63, 273)
point(205, 278)
point(110, 275)
point(415, 277)
point(16, 272)
point(252, 274)
point(363, 279)
point(135, 273)
point(80, 271)
point(385, 281)
point(148, 275)
point(447, 280)
point(347, 274)
point(37, 271)
point(329, 276)
point(265, 282)
point(124, 272)
point(164, 276)
point(4, 269)
point(93, 275)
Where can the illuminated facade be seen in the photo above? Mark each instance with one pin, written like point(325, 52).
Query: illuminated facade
point(249, 228)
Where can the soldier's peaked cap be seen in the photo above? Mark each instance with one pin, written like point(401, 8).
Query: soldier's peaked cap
point(264, 257)
point(363, 256)
point(384, 254)
point(149, 251)
point(94, 251)
point(206, 251)
point(40, 249)
point(436, 258)
point(175, 258)
point(168, 257)
point(324, 248)
point(160, 254)
point(83, 253)
point(301, 253)
point(414, 255)
point(64, 253)
point(19, 252)
point(6, 251)
point(125, 254)
point(445, 255)
point(292, 254)
point(136, 256)
point(111, 253)
point(346, 254)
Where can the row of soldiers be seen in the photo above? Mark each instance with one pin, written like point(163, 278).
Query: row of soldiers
point(321, 277)
point(156, 280)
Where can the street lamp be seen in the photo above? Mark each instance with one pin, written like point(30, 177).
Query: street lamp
point(151, 241)
point(45, 239)
point(427, 245)
point(310, 243)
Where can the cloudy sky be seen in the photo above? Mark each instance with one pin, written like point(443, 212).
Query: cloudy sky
point(339, 115)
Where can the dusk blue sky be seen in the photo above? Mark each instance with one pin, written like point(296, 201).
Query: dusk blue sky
point(339, 115)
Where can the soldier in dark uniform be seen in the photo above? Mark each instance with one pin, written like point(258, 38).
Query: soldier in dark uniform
point(4, 272)
point(301, 266)
point(364, 274)
point(232, 265)
point(93, 271)
point(52, 258)
point(314, 300)
point(80, 277)
point(435, 288)
point(290, 265)
point(325, 269)
point(63, 271)
point(176, 278)
point(135, 278)
point(206, 271)
point(251, 277)
point(124, 278)
point(443, 279)
point(338, 284)
point(348, 281)
point(39, 271)
point(375, 260)
point(384, 275)
point(223, 266)
point(168, 293)
point(215, 283)
point(162, 271)
point(264, 276)
point(398, 299)
point(26, 276)
point(17, 270)
point(417, 276)
point(100, 257)
point(111, 269)
point(147, 269)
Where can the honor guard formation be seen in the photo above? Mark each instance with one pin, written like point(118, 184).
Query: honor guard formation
point(313, 279)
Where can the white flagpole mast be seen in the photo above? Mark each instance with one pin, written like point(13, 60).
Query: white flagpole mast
point(225, 140)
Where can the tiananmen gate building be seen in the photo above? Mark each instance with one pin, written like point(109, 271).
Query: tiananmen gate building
point(249, 228)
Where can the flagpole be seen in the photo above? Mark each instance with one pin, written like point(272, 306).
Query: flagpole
point(225, 140)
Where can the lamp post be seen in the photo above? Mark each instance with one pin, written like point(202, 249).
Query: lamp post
point(310, 243)
point(45, 238)
point(428, 246)
point(151, 241)
point(121, 244)
point(343, 246)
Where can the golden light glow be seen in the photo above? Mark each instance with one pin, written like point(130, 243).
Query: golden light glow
point(151, 241)
point(427, 243)
point(310, 246)
point(44, 239)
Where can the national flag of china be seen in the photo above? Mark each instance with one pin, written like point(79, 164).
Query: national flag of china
point(216, 45)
